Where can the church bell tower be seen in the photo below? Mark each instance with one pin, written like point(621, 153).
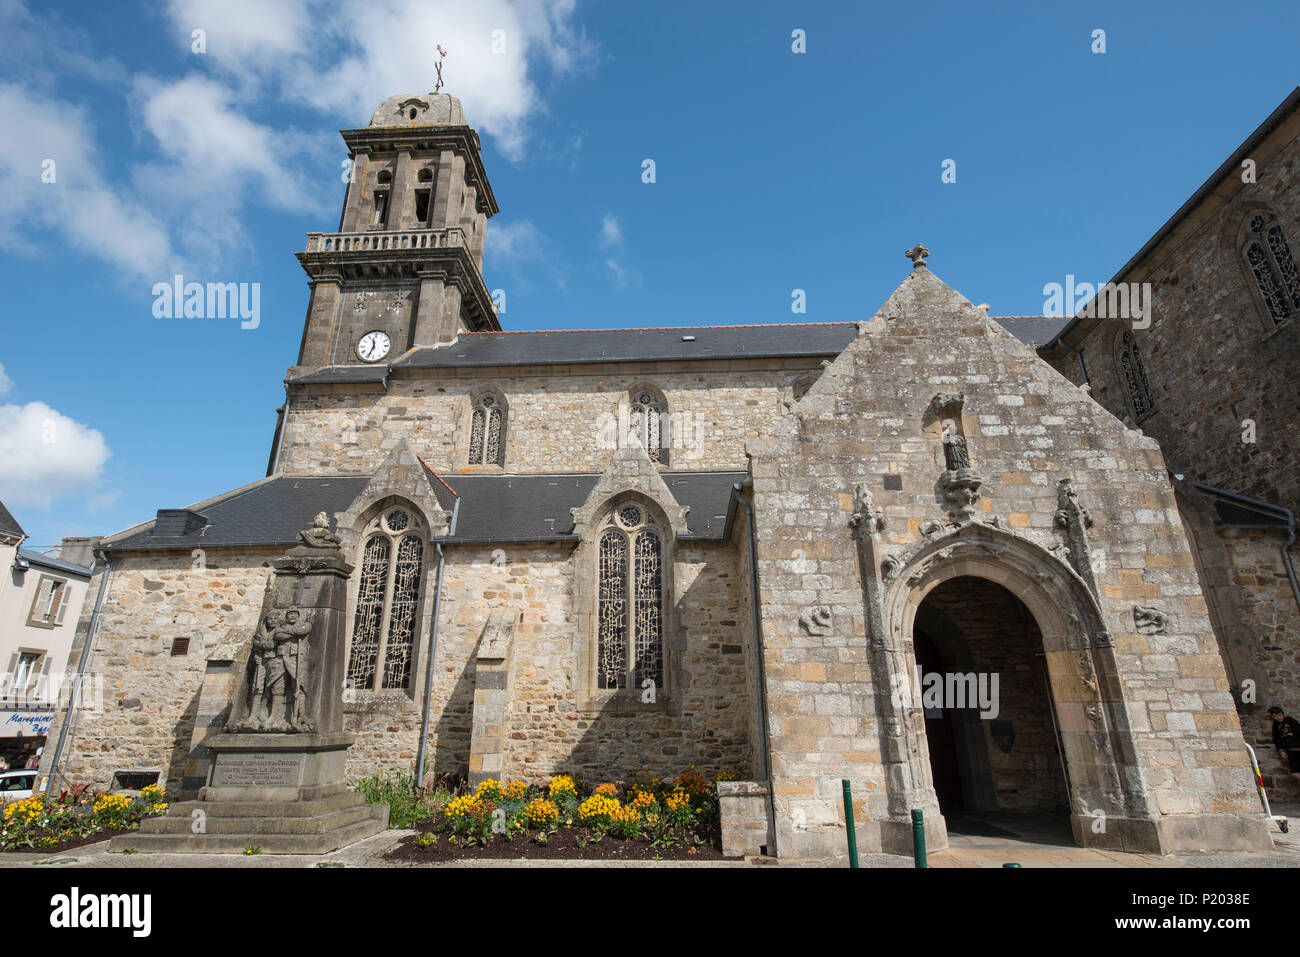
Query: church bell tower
point(405, 268)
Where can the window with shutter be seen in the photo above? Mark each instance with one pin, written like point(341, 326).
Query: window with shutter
point(47, 606)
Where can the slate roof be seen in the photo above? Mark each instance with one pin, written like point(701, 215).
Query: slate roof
point(533, 508)
point(8, 524)
point(56, 564)
point(268, 513)
point(369, 373)
point(493, 508)
point(666, 344)
point(1038, 330)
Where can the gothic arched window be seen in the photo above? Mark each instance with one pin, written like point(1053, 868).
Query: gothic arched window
point(1267, 256)
point(487, 430)
point(1134, 373)
point(630, 597)
point(388, 599)
point(647, 415)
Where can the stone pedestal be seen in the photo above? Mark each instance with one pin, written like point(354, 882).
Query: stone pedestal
point(284, 793)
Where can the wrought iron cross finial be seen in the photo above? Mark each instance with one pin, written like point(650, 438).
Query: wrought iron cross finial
point(917, 254)
point(438, 68)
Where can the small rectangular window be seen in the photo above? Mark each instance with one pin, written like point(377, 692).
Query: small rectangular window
point(26, 669)
point(381, 209)
point(180, 647)
point(422, 206)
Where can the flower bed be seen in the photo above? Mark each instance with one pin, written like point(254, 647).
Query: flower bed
point(674, 820)
point(76, 817)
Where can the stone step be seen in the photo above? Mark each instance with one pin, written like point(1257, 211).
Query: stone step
point(263, 824)
point(347, 799)
point(322, 843)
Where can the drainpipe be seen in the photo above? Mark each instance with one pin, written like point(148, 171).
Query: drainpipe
point(1083, 366)
point(1270, 509)
point(433, 647)
point(74, 699)
point(758, 636)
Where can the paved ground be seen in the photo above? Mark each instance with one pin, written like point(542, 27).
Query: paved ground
point(984, 841)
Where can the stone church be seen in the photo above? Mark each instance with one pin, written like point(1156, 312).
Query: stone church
point(734, 547)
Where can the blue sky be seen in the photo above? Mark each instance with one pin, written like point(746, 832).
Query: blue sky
point(775, 171)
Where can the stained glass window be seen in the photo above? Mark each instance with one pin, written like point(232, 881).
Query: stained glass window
point(645, 416)
point(1268, 257)
point(1134, 373)
point(487, 432)
point(388, 600)
point(630, 599)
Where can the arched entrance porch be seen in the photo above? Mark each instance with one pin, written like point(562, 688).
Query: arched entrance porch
point(1096, 759)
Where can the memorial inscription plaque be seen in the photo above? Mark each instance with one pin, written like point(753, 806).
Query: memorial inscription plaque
point(257, 770)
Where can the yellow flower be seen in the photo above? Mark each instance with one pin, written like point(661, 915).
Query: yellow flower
point(562, 786)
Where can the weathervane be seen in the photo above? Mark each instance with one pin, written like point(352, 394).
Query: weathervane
point(438, 67)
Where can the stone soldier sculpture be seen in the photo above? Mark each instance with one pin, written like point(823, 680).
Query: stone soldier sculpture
point(262, 654)
point(286, 699)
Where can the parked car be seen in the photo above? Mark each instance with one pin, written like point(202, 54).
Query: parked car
point(16, 785)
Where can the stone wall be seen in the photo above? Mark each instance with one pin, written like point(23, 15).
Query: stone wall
point(151, 699)
point(558, 420)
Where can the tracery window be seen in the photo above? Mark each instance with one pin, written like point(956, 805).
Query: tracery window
point(1267, 256)
point(388, 599)
point(630, 613)
point(487, 432)
point(647, 414)
point(1134, 373)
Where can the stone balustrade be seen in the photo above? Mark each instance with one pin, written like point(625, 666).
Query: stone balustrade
point(385, 239)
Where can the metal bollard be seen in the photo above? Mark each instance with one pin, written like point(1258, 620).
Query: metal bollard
point(918, 838)
point(848, 823)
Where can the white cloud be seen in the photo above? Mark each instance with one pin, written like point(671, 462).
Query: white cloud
point(6, 383)
point(619, 274)
point(610, 233)
point(512, 242)
point(78, 204)
point(346, 56)
point(45, 455)
point(216, 160)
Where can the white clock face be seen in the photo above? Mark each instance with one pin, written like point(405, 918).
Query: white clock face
point(373, 346)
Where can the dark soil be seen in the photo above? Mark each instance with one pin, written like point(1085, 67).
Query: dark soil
point(562, 845)
point(73, 842)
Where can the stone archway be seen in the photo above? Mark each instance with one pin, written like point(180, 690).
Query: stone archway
point(989, 715)
point(1105, 782)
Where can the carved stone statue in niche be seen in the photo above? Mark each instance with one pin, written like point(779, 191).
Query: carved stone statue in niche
point(955, 454)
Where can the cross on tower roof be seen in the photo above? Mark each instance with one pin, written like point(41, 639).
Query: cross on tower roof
point(917, 254)
point(438, 67)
